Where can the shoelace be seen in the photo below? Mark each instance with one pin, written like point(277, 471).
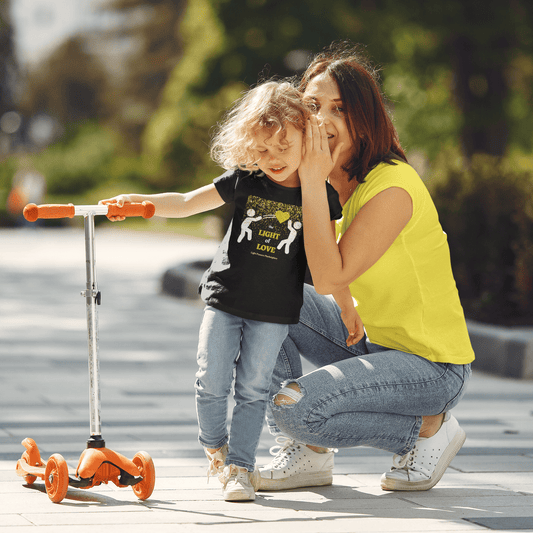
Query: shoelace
point(232, 472)
point(403, 461)
point(213, 469)
point(285, 448)
point(282, 451)
point(407, 462)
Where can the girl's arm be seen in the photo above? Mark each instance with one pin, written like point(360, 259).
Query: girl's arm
point(173, 204)
point(374, 229)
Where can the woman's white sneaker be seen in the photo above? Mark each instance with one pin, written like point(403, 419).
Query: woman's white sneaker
point(425, 464)
point(295, 465)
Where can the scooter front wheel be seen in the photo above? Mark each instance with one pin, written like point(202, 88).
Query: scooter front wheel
point(56, 478)
point(143, 490)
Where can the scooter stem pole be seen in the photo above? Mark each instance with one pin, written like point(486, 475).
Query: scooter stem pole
point(92, 298)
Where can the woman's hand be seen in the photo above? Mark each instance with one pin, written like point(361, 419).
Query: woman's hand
point(354, 324)
point(317, 160)
point(119, 200)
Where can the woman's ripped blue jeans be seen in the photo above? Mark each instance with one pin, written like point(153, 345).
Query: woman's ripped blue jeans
point(363, 395)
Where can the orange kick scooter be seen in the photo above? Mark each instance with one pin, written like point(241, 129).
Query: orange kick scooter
point(97, 464)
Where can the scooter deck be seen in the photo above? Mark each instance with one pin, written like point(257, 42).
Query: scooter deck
point(24, 469)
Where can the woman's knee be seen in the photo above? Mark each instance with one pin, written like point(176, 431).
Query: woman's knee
point(289, 394)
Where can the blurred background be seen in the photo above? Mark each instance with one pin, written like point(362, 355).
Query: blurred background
point(99, 97)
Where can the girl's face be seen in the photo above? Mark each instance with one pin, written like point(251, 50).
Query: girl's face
point(279, 155)
point(324, 93)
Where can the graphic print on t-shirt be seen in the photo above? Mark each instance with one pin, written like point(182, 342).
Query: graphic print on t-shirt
point(270, 228)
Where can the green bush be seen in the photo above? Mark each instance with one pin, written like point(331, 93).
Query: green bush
point(486, 209)
point(79, 162)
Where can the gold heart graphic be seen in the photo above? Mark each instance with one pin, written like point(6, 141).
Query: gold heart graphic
point(282, 216)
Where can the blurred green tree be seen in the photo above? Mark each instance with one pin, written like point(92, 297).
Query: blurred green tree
point(150, 31)
point(481, 50)
point(462, 69)
point(457, 72)
point(228, 46)
point(71, 85)
point(7, 62)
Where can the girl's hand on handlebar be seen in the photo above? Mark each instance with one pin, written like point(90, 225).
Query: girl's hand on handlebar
point(119, 200)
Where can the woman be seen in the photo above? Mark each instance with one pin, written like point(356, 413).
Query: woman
point(394, 388)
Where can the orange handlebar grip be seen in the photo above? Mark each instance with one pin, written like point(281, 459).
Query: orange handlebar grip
point(145, 210)
point(32, 212)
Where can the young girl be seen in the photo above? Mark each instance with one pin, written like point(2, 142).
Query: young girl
point(254, 287)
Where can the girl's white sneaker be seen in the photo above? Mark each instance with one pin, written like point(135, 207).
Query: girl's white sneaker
point(238, 483)
point(216, 461)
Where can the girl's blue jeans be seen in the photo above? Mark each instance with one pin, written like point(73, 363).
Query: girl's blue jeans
point(232, 348)
point(362, 395)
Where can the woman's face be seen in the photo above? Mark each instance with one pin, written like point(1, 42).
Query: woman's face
point(324, 93)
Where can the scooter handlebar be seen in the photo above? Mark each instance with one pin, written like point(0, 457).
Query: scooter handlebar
point(144, 209)
point(32, 212)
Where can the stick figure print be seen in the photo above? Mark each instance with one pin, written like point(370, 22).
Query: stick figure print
point(293, 232)
point(245, 226)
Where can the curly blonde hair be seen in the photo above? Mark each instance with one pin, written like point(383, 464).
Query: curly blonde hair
point(271, 105)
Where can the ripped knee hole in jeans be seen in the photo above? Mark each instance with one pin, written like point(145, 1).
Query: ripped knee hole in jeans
point(289, 394)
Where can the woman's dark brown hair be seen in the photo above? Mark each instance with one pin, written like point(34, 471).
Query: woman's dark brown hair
point(373, 134)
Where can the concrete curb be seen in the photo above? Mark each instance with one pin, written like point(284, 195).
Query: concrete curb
point(183, 279)
point(503, 351)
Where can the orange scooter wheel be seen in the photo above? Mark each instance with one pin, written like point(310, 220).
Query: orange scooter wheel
point(143, 490)
point(56, 478)
point(29, 479)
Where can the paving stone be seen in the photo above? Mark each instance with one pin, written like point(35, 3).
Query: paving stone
point(504, 523)
point(148, 361)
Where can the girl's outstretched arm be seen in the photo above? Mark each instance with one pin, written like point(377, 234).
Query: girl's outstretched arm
point(173, 204)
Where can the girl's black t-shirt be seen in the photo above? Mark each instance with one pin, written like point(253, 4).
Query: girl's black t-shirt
point(259, 268)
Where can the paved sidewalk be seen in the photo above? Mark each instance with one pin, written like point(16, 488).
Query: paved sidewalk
point(147, 351)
